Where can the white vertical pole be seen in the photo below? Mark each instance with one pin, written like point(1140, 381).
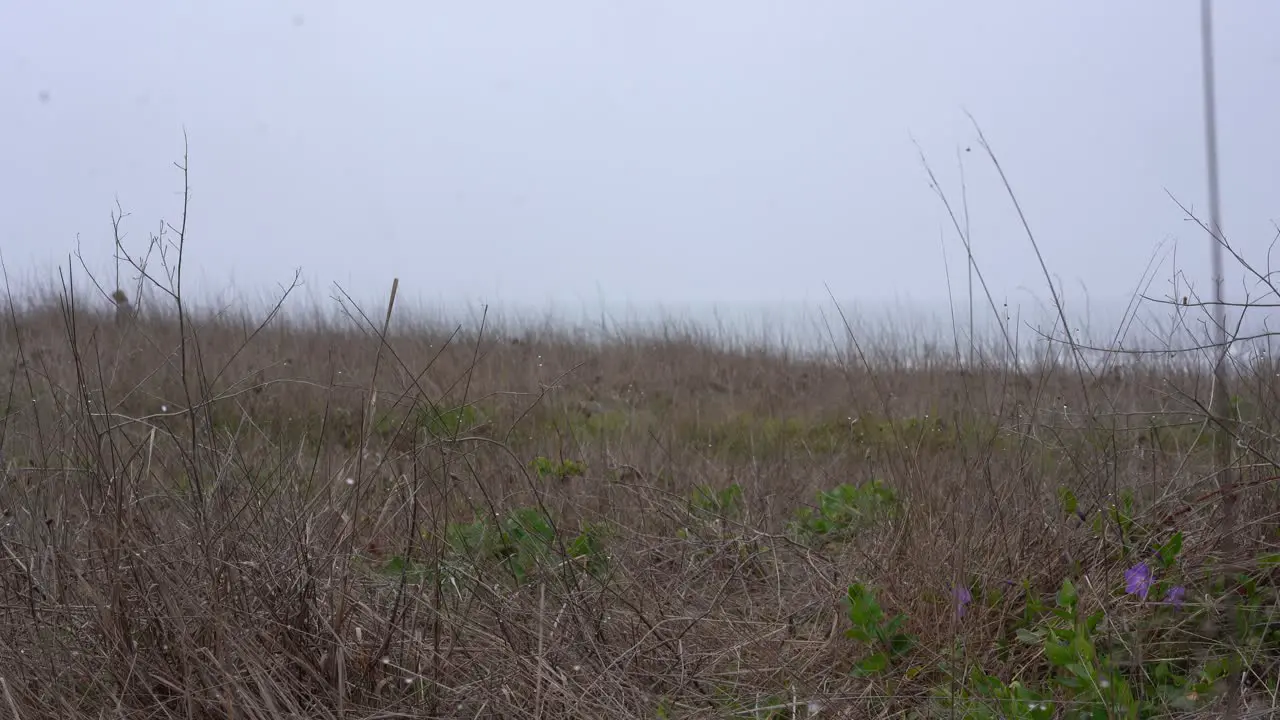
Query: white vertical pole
point(1221, 404)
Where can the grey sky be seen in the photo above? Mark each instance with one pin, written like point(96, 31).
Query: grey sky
point(665, 151)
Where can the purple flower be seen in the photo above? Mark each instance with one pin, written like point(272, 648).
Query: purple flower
point(1138, 579)
point(962, 597)
point(1175, 596)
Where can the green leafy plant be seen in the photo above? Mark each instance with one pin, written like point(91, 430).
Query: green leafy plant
point(562, 470)
point(588, 546)
point(987, 697)
point(1098, 688)
point(1168, 551)
point(1094, 672)
point(523, 541)
point(1121, 515)
point(444, 423)
point(843, 510)
point(885, 638)
point(1067, 498)
point(706, 502)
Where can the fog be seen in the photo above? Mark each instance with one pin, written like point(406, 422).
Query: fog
point(741, 159)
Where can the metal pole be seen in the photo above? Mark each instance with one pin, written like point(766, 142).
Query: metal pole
point(1211, 156)
point(1221, 404)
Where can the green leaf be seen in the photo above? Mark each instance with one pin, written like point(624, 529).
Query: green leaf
point(858, 633)
point(1067, 596)
point(1091, 623)
point(894, 625)
point(1169, 550)
point(1029, 637)
point(1071, 682)
point(1068, 499)
point(864, 611)
point(1099, 524)
point(984, 684)
point(900, 643)
point(872, 664)
point(1082, 648)
point(1079, 670)
point(1216, 669)
point(1126, 501)
point(1058, 653)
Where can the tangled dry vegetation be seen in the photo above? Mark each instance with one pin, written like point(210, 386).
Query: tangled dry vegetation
point(239, 517)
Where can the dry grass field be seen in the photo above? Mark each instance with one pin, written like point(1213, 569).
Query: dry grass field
point(224, 516)
point(367, 514)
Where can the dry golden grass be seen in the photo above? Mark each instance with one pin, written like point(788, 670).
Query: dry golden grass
point(212, 520)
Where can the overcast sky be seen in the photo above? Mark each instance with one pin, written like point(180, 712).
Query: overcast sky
point(663, 151)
